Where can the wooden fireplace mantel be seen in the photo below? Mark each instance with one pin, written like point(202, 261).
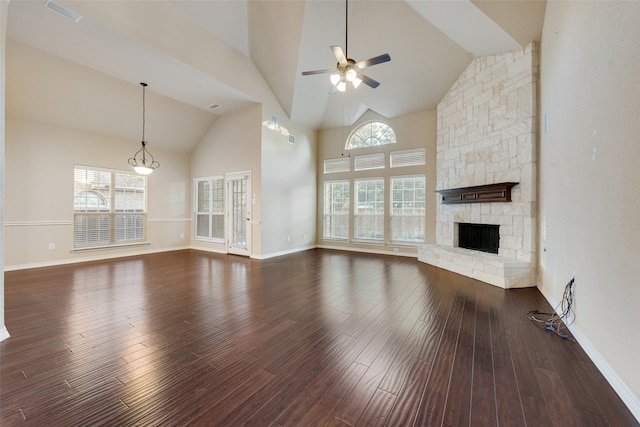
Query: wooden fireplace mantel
point(500, 192)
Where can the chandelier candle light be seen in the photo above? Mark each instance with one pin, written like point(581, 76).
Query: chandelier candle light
point(143, 162)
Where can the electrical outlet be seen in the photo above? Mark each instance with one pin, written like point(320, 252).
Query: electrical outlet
point(52, 246)
point(182, 235)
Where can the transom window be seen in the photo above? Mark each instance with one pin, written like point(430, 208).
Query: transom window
point(371, 134)
point(109, 207)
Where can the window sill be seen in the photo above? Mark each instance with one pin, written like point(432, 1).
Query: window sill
point(405, 244)
point(369, 242)
point(102, 248)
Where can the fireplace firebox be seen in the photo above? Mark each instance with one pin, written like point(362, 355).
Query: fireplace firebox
point(479, 237)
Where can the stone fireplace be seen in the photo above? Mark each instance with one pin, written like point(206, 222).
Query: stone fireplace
point(486, 168)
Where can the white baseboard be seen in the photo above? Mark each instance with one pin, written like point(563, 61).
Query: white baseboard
point(103, 255)
point(4, 334)
point(208, 249)
point(287, 252)
point(370, 251)
point(626, 395)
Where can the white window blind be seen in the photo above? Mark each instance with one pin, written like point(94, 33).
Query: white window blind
point(369, 161)
point(408, 209)
point(336, 210)
point(109, 207)
point(369, 209)
point(408, 158)
point(341, 164)
point(209, 202)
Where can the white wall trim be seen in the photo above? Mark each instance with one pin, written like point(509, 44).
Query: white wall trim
point(369, 251)
point(4, 334)
point(286, 252)
point(100, 257)
point(53, 222)
point(169, 219)
point(612, 377)
point(35, 223)
point(209, 249)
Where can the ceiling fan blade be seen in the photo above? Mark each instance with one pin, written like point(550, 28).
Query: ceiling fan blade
point(373, 61)
point(308, 73)
point(339, 54)
point(368, 80)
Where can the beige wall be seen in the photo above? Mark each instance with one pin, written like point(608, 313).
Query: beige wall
point(289, 180)
point(39, 193)
point(233, 144)
point(412, 131)
point(589, 181)
point(285, 220)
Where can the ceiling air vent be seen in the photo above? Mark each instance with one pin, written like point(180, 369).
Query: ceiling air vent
point(64, 11)
point(214, 106)
point(292, 139)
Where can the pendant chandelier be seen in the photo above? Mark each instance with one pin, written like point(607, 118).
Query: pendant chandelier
point(143, 162)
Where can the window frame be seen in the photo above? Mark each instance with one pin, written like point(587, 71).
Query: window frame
point(327, 213)
point(359, 217)
point(113, 225)
point(349, 145)
point(392, 201)
point(211, 212)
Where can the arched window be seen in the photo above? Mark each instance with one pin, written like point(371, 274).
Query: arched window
point(371, 134)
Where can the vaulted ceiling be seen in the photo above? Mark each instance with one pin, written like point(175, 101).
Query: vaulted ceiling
point(197, 53)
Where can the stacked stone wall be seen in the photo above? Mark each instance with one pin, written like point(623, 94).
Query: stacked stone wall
point(486, 134)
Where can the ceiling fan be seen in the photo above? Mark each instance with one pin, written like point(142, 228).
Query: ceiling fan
point(347, 69)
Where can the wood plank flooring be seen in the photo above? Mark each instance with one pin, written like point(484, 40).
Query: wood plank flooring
point(310, 339)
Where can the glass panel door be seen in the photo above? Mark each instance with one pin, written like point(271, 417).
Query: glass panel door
point(239, 213)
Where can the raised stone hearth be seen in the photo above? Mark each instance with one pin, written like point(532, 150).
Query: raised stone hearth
point(490, 268)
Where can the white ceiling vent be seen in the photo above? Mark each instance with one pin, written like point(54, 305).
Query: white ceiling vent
point(214, 106)
point(64, 11)
point(292, 139)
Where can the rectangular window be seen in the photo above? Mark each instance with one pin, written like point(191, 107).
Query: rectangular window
point(341, 164)
point(209, 203)
point(109, 207)
point(369, 161)
point(417, 157)
point(336, 210)
point(369, 209)
point(408, 209)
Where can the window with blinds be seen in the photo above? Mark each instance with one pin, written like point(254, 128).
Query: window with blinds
point(417, 157)
point(337, 198)
point(209, 206)
point(109, 207)
point(408, 209)
point(369, 210)
point(341, 164)
point(369, 161)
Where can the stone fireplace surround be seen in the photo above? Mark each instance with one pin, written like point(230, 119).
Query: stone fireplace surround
point(486, 133)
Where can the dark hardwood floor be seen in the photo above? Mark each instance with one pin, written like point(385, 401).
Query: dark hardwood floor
point(315, 338)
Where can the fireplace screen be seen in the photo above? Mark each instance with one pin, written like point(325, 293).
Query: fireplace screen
point(479, 237)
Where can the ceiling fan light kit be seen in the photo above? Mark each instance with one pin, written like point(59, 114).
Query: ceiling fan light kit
point(347, 69)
